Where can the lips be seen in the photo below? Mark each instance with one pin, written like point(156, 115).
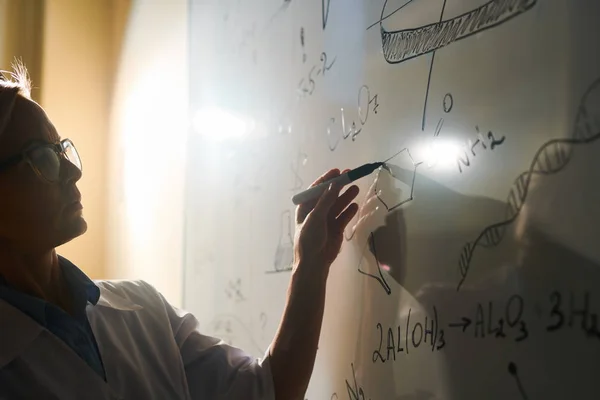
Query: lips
point(74, 201)
point(74, 206)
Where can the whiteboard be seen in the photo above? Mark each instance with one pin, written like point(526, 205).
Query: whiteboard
point(475, 271)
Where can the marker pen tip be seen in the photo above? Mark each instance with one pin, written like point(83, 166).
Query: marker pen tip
point(386, 167)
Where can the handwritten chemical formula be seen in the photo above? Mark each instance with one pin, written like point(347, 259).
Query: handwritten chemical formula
point(338, 129)
point(402, 338)
point(558, 311)
point(307, 84)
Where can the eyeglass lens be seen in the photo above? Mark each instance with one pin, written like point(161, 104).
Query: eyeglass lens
point(71, 153)
point(47, 161)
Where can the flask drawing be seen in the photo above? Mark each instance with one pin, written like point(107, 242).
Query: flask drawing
point(284, 254)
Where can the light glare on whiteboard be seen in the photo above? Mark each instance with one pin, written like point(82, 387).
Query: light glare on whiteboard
point(218, 124)
point(442, 154)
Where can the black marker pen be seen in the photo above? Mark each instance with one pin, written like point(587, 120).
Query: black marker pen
point(350, 176)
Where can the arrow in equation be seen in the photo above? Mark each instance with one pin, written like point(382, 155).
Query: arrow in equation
point(465, 324)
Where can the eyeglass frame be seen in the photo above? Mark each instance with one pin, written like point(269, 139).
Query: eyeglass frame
point(58, 148)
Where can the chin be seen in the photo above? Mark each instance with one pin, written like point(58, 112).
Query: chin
point(72, 229)
point(78, 227)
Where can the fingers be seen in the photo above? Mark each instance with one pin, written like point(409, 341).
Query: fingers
point(305, 208)
point(373, 186)
point(332, 173)
point(369, 194)
point(368, 208)
point(343, 201)
point(344, 219)
point(327, 200)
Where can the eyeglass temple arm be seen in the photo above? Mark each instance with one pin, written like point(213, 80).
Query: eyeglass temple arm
point(11, 161)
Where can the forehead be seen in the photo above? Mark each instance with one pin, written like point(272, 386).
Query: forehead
point(28, 124)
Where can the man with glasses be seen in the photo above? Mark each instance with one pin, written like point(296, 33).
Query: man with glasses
point(63, 336)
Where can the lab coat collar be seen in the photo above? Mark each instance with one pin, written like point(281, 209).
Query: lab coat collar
point(18, 330)
point(113, 300)
point(95, 292)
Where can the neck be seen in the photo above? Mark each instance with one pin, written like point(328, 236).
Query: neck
point(37, 274)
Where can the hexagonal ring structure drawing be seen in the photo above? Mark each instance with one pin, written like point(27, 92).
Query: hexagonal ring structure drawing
point(405, 175)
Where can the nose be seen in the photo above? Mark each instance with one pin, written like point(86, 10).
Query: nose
point(69, 171)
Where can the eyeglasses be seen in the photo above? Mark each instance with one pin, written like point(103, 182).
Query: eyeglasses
point(45, 159)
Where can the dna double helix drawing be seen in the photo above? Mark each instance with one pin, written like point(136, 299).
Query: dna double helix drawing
point(550, 158)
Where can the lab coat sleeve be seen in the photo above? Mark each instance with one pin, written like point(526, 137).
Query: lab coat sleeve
point(214, 369)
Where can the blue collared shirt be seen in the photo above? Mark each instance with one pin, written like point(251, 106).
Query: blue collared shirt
point(75, 331)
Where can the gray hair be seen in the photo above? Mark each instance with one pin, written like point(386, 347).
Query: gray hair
point(12, 84)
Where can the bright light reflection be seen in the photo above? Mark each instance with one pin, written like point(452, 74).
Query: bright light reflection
point(218, 124)
point(442, 154)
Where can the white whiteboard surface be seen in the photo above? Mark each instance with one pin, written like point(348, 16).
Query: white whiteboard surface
point(480, 256)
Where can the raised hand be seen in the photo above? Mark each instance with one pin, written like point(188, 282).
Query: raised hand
point(320, 225)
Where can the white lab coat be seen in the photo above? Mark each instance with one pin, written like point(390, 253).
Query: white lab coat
point(150, 350)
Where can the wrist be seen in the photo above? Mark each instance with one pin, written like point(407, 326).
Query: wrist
point(310, 273)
